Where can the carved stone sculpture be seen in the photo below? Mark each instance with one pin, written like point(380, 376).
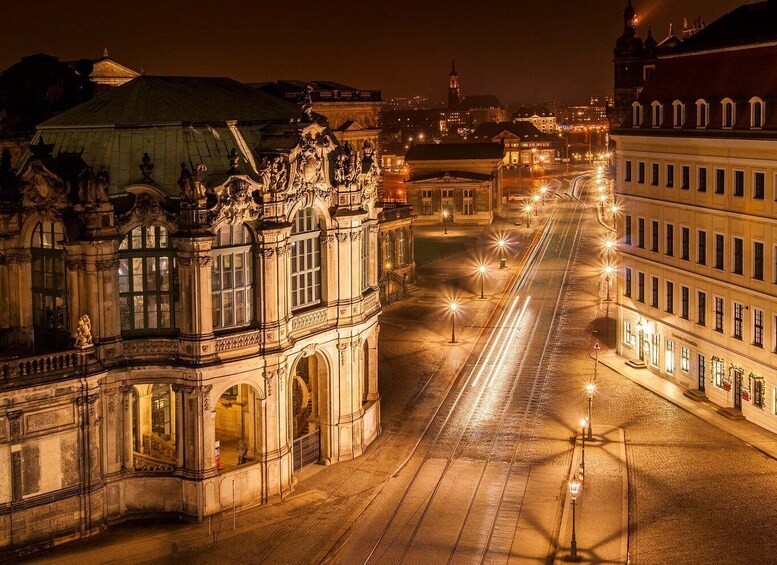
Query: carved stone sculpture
point(43, 190)
point(274, 172)
point(192, 185)
point(236, 203)
point(234, 162)
point(84, 332)
point(147, 168)
point(92, 188)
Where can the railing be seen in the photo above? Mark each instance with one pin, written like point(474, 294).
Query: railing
point(39, 365)
point(143, 462)
point(394, 211)
point(158, 448)
point(308, 319)
point(307, 449)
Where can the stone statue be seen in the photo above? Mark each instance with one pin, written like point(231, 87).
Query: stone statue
point(192, 185)
point(92, 189)
point(234, 162)
point(84, 333)
point(274, 172)
point(103, 184)
point(147, 168)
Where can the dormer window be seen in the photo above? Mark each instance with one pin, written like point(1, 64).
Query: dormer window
point(658, 114)
point(728, 113)
point(756, 113)
point(637, 114)
point(678, 109)
point(702, 113)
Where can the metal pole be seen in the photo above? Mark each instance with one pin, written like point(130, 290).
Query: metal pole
point(445, 224)
point(234, 515)
point(453, 327)
point(573, 555)
point(590, 407)
point(582, 459)
point(596, 364)
point(482, 289)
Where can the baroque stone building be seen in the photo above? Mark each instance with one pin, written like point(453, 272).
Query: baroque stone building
point(211, 252)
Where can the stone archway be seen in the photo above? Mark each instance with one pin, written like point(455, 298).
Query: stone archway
point(238, 426)
point(308, 402)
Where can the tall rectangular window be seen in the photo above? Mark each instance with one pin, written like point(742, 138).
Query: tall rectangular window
point(718, 314)
point(685, 359)
point(685, 298)
point(654, 236)
point(758, 327)
point(654, 174)
point(627, 172)
point(641, 233)
point(669, 297)
point(702, 187)
point(627, 229)
point(701, 307)
point(654, 292)
point(719, 252)
point(759, 186)
point(686, 178)
point(758, 260)
point(669, 357)
point(670, 176)
point(720, 181)
point(739, 183)
point(641, 173)
point(685, 252)
point(627, 283)
point(738, 315)
point(701, 257)
point(738, 256)
point(641, 287)
point(669, 240)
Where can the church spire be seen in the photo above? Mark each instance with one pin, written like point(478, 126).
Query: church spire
point(453, 68)
point(629, 17)
point(454, 93)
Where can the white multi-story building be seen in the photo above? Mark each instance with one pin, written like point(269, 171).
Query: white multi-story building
point(211, 251)
point(697, 182)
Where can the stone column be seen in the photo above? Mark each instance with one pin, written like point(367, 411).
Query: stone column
point(272, 280)
point(20, 277)
point(180, 433)
point(126, 402)
point(196, 323)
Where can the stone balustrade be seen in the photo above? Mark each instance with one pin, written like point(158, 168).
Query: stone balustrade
point(39, 365)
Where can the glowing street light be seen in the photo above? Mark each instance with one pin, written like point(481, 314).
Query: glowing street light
point(574, 490)
point(482, 271)
point(590, 388)
point(527, 209)
point(445, 221)
point(536, 198)
point(453, 306)
point(608, 245)
point(501, 244)
point(608, 273)
point(544, 189)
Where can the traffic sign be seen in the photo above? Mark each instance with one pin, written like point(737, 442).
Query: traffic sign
point(596, 346)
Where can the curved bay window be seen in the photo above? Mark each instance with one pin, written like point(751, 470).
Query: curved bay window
point(146, 280)
point(49, 287)
point(232, 278)
point(305, 259)
point(160, 411)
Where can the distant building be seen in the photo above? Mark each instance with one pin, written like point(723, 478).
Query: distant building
point(483, 108)
point(696, 180)
point(541, 118)
point(409, 103)
point(524, 144)
point(107, 73)
point(462, 181)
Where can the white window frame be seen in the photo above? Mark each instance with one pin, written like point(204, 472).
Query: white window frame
point(725, 104)
point(637, 114)
point(675, 106)
point(221, 296)
point(702, 123)
point(669, 357)
point(685, 359)
point(658, 113)
point(756, 101)
point(310, 243)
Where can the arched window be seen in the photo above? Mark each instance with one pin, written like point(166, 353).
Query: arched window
point(160, 411)
point(636, 114)
point(756, 113)
point(702, 114)
point(401, 248)
point(389, 259)
point(146, 280)
point(658, 114)
point(305, 259)
point(232, 278)
point(728, 113)
point(365, 257)
point(679, 113)
point(49, 283)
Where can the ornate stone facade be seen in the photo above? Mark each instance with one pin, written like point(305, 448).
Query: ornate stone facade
point(206, 321)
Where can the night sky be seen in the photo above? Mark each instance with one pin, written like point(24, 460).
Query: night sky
point(520, 50)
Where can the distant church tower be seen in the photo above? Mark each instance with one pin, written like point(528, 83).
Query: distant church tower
point(454, 93)
point(629, 61)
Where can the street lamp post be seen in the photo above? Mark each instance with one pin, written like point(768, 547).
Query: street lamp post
point(453, 307)
point(482, 271)
point(574, 490)
point(536, 198)
point(445, 221)
point(590, 388)
point(527, 210)
point(583, 425)
point(502, 259)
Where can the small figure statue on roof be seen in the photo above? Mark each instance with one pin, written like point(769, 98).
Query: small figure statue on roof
point(103, 183)
point(234, 162)
point(192, 185)
point(307, 107)
point(147, 168)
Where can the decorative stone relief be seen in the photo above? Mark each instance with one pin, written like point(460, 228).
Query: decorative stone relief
point(15, 422)
point(43, 191)
point(236, 203)
point(342, 348)
point(348, 165)
point(84, 333)
point(92, 189)
point(274, 172)
point(192, 185)
point(107, 265)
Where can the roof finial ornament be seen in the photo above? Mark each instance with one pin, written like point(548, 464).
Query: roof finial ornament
point(105, 52)
point(146, 168)
point(234, 162)
point(307, 107)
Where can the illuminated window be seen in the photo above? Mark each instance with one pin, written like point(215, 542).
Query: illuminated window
point(146, 280)
point(669, 357)
point(49, 281)
point(685, 359)
point(160, 411)
point(232, 278)
point(305, 259)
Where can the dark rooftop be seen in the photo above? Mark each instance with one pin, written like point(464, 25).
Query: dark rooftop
point(450, 174)
point(454, 151)
point(523, 130)
point(480, 101)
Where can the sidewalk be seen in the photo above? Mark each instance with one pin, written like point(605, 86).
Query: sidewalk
point(753, 435)
point(602, 506)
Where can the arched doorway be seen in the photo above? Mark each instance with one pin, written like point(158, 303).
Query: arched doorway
point(153, 428)
point(238, 426)
point(308, 409)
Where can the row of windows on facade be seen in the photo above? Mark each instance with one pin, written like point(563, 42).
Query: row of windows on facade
point(446, 195)
point(728, 109)
point(147, 275)
point(758, 186)
point(757, 255)
point(717, 372)
point(719, 307)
